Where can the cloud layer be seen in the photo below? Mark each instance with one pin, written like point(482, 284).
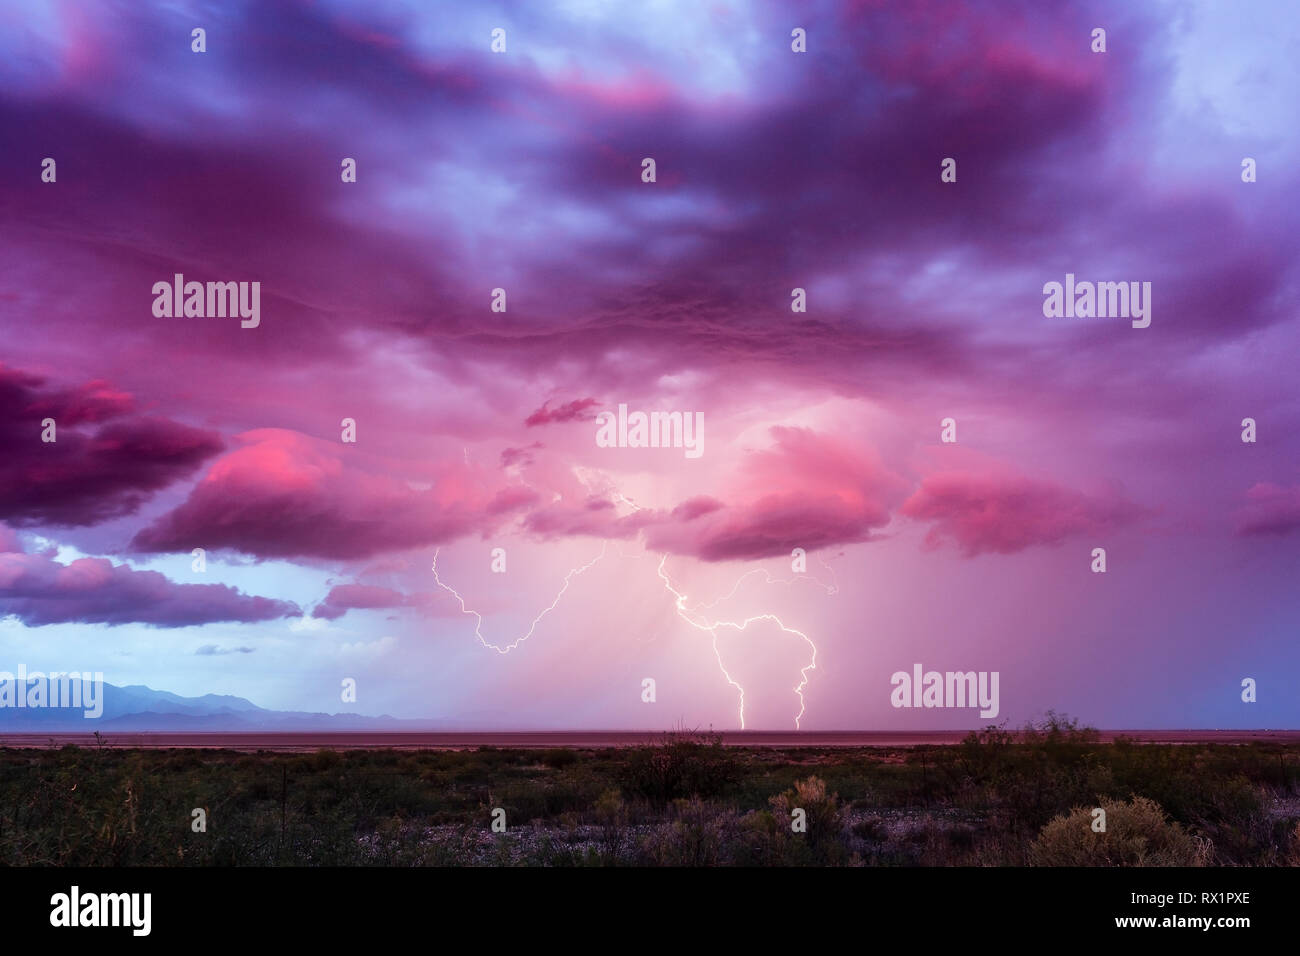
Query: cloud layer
point(776, 171)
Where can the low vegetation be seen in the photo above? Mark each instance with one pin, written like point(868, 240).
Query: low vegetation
point(999, 798)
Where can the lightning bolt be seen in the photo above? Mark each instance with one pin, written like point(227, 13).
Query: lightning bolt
point(712, 629)
point(478, 628)
point(691, 617)
point(832, 588)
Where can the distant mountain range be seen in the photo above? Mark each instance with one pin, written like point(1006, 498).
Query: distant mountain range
point(139, 708)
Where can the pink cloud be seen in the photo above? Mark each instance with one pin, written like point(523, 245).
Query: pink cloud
point(808, 491)
point(284, 494)
point(1005, 514)
point(569, 411)
point(519, 456)
point(692, 508)
point(593, 516)
point(87, 475)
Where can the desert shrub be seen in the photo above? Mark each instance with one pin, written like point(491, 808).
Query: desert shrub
point(872, 829)
point(994, 753)
point(763, 839)
point(525, 800)
point(983, 755)
point(1043, 789)
point(324, 759)
point(685, 764)
point(1292, 857)
point(558, 758)
point(1059, 734)
point(766, 838)
point(611, 814)
point(971, 846)
point(695, 836)
point(1238, 822)
point(1191, 783)
point(822, 811)
point(1137, 834)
